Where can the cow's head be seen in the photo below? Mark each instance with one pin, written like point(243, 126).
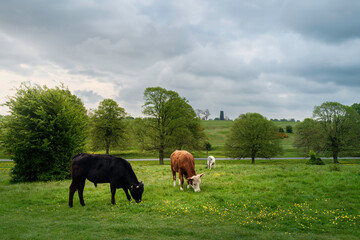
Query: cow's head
point(195, 182)
point(136, 191)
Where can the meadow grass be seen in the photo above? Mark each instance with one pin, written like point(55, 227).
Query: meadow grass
point(273, 199)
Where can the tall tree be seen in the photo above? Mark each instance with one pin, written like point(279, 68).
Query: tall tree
point(252, 135)
point(308, 136)
point(45, 128)
point(172, 122)
point(107, 125)
point(340, 127)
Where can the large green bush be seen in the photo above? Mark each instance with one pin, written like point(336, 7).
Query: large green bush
point(46, 127)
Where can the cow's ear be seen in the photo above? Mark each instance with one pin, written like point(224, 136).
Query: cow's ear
point(191, 178)
point(201, 174)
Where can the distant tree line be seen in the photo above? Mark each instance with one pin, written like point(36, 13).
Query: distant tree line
point(284, 120)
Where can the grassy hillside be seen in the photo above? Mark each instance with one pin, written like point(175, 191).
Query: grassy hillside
point(269, 200)
point(217, 132)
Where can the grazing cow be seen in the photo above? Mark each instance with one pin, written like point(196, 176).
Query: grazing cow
point(104, 169)
point(183, 163)
point(210, 162)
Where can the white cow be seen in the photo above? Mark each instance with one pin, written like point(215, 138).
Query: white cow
point(210, 162)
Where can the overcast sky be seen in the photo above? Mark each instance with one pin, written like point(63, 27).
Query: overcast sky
point(275, 57)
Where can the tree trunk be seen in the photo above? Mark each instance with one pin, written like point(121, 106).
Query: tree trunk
point(107, 146)
point(161, 157)
point(252, 160)
point(335, 156)
point(161, 149)
point(107, 149)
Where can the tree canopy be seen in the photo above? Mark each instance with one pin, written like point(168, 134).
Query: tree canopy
point(339, 125)
point(45, 128)
point(308, 136)
point(252, 135)
point(172, 123)
point(108, 127)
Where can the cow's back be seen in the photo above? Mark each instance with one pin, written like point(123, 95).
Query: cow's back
point(181, 159)
point(103, 168)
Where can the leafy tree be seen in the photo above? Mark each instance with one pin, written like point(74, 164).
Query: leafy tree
point(308, 136)
point(45, 128)
point(108, 125)
point(340, 127)
point(356, 107)
point(172, 124)
point(281, 130)
point(252, 135)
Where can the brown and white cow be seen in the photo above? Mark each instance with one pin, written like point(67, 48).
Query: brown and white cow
point(183, 162)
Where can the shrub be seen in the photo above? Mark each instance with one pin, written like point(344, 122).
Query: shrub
point(313, 160)
point(45, 129)
point(289, 129)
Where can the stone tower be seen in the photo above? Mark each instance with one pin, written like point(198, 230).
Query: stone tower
point(222, 115)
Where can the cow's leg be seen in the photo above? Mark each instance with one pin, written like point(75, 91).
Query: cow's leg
point(81, 185)
point(181, 179)
point(113, 191)
point(174, 177)
point(127, 194)
point(72, 190)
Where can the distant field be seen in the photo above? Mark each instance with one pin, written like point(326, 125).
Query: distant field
point(273, 199)
point(217, 132)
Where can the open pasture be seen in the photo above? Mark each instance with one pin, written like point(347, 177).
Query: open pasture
point(282, 199)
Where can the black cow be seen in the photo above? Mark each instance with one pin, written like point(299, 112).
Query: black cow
point(102, 169)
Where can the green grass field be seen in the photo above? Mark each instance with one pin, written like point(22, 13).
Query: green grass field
point(273, 199)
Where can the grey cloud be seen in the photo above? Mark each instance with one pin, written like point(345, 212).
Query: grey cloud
point(332, 21)
point(273, 57)
point(88, 96)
